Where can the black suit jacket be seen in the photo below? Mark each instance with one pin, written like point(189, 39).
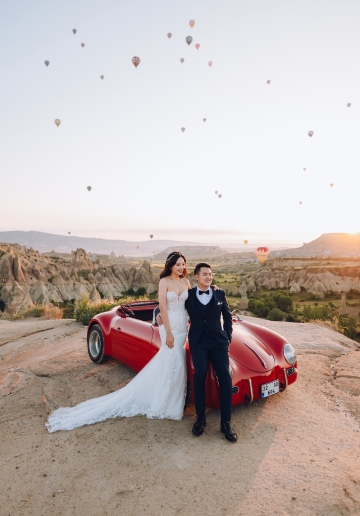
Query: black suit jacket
point(208, 317)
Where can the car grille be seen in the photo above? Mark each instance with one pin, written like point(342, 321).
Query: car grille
point(290, 371)
point(235, 389)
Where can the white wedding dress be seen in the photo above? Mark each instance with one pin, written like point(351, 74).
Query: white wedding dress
point(158, 391)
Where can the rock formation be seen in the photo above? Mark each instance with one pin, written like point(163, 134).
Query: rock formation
point(80, 259)
point(244, 302)
point(28, 277)
point(314, 279)
point(343, 308)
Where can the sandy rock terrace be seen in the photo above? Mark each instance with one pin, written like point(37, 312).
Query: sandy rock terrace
point(298, 452)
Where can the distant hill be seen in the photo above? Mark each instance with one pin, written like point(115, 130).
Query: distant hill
point(328, 244)
point(192, 251)
point(46, 242)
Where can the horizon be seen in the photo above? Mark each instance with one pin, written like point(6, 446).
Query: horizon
point(170, 242)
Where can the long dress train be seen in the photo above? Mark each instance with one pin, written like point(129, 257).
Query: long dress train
point(157, 391)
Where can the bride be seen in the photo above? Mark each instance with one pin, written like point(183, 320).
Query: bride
point(158, 390)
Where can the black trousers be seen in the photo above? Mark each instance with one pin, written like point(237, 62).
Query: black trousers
point(219, 358)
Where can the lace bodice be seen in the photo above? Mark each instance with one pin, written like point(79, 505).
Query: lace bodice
point(176, 303)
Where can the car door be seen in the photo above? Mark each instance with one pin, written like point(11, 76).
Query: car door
point(131, 342)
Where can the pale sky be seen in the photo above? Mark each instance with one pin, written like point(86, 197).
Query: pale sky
point(123, 135)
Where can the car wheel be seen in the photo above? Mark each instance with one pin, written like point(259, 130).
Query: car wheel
point(96, 345)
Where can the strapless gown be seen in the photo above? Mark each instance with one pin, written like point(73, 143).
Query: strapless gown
point(158, 391)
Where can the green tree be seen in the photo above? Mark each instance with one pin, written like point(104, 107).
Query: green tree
point(276, 315)
point(258, 307)
point(283, 302)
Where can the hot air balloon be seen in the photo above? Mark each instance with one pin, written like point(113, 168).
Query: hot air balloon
point(262, 254)
point(300, 202)
point(245, 242)
point(197, 46)
point(204, 119)
point(57, 122)
point(89, 188)
point(210, 63)
point(310, 133)
point(137, 247)
point(220, 195)
point(151, 236)
point(216, 192)
point(183, 129)
point(74, 31)
point(304, 169)
point(154, 252)
point(47, 62)
point(188, 40)
point(182, 60)
point(268, 81)
point(83, 44)
point(169, 35)
point(192, 23)
point(69, 232)
point(348, 104)
point(136, 61)
point(331, 184)
point(102, 77)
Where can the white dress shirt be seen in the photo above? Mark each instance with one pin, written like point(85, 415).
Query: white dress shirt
point(204, 298)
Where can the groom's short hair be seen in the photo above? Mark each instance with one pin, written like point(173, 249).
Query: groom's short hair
point(198, 267)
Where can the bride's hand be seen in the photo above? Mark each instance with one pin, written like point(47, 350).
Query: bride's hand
point(170, 340)
point(216, 287)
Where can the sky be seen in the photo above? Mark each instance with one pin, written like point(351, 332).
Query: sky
point(122, 135)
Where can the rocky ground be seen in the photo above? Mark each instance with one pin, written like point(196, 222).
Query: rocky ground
point(297, 454)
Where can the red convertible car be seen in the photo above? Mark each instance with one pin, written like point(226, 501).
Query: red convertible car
point(262, 362)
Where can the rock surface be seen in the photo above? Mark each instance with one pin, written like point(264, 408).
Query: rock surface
point(297, 454)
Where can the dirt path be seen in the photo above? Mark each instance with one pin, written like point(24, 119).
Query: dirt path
point(298, 452)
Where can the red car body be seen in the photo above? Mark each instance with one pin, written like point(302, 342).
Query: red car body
point(256, 353)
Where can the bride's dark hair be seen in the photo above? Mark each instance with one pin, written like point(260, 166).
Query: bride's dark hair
point(170, 262)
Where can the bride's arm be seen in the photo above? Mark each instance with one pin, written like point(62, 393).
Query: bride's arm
point(164, 314)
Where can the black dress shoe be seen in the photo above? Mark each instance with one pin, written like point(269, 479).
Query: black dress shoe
point(199, 424)
point(228, 431)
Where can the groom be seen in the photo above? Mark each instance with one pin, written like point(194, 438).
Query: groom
point(209, 341)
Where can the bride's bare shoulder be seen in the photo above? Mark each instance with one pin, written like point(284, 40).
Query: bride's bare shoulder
point(186, 282)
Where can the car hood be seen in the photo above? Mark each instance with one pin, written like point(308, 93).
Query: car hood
point(249, 351)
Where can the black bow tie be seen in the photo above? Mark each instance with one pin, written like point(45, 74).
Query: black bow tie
point(204, 292)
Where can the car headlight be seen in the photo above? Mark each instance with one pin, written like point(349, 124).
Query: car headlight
point(289, 354)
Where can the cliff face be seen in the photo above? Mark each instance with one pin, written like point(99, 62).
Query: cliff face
point(316, 280)
point(28, 277)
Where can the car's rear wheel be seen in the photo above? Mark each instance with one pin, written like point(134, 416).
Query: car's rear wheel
point(96, 345)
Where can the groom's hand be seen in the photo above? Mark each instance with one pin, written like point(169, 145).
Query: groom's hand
point(159, 320)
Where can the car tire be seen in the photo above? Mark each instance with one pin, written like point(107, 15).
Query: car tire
point(95, 345)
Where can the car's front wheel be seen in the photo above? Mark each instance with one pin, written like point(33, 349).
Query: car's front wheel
point(96, 345)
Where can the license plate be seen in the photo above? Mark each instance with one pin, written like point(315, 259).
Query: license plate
point(268, 389)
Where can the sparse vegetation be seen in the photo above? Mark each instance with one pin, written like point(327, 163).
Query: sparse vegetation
point(85, 310)
point(44, 311)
